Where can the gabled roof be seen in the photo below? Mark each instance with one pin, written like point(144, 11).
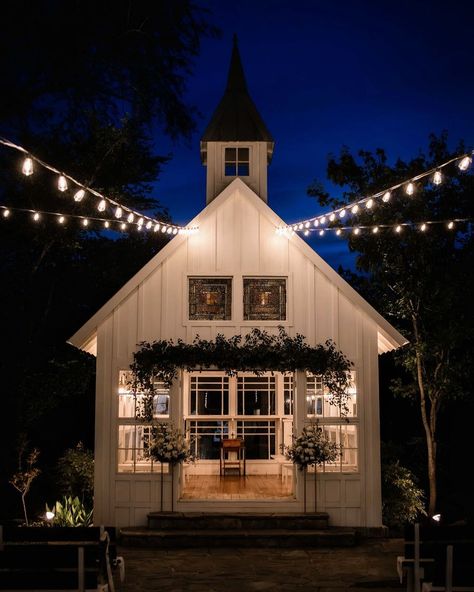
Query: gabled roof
point(236, 118)
point(388, 337)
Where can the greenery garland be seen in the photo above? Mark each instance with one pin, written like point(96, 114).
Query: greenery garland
point(257, 352)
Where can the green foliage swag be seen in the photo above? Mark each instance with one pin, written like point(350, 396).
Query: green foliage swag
point(257, 352)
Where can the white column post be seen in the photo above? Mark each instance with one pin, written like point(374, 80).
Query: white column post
point(176, 416)
point(299, 416)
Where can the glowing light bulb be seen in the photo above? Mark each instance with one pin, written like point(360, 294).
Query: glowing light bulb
point(338, 232)
point(437, 178)
point(306, 225)
point(423, 227)
point(49, 515)
point(62, 183)
point(163, 229)
point(369, 203)
point(79, 195)
point(410, 189)
point(300, 227)
point(36, 216)
point(306, 232)
point(130, 218)
point(386, 196)
point(316, 223)
point(102, 205)
point(451, 225)
point(27, 168)
point(332, 217)
point(6, 213)
point(140, 221)
point(61, 219)
point(85, 222)
point(106, 224)
point(123, 226)
point(355, 209)
point(321, 233)
point(118, 212)
point(175, 231)
point(169, 230)
point(295, 227)
point(356, 230)
point(149, 224)
point(465, 163)
point(323, 220)
point(156, 228)
point(375, 229)
point(342, 213)
point(398, 229)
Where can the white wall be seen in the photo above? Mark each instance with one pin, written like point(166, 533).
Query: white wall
point(236, 238)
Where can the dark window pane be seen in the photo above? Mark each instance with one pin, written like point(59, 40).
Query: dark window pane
point(230, 155)
point(243, 169)
point(210, 299)
point(230, 170)
point(243, 155)
point(264, 299)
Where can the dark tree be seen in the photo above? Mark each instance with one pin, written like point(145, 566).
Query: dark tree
point(422, 281)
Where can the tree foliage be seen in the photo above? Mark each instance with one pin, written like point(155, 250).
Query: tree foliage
point(422, 282)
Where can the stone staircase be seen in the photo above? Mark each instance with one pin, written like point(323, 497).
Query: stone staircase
point(198, 530)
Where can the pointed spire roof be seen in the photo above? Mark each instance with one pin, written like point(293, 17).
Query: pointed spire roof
point(236, 117)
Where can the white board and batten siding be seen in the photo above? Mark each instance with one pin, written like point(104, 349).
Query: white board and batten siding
point(236, 239)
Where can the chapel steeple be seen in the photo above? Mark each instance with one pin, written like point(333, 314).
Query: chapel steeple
point(236, 143)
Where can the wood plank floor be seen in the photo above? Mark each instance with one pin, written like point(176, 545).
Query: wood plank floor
point(205, 487)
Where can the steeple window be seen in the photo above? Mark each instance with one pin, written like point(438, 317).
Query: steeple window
point(237, 162)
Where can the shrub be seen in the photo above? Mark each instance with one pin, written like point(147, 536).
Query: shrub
point(402, 499)
point(70, 512)
point(76, 473)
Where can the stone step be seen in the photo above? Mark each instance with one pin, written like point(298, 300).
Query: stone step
point(236, 521)
point(262, 538)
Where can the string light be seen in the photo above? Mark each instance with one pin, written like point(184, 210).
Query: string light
point(123, 226)
point(61, 219)
point(106, 224)
point(169, 230)
point(306, 225)
point(437, 178)
point(451, 225)
point(321, 233)
point(163, 229)
point(423, 227)
point(118, 212)
point(465, 163)
point(64, 180)
point(338, 232)
point(300, 227)
point(140, 221)
point(175, 231)
point(36, 216)
point(85, 222)
point(342, 213)
point(306, 232)
point(62, 183)
point(130, 218)
point(102, 205)
point(79, 195)
point(6, 213)
point(398, 228)
point(332, 217)
point(156, 228)
point(408, 185)
point(375, 229)
point(149, 224)
point(27, 168)
point(356, 230)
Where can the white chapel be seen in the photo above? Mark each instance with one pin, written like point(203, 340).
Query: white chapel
point(235, 274)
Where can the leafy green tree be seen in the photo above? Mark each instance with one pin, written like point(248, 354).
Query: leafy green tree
point(76, 474)
point(422, 281)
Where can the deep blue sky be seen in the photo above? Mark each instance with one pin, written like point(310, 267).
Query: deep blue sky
point(326, 74)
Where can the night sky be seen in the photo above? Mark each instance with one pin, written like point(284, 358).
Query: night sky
point(326, 74)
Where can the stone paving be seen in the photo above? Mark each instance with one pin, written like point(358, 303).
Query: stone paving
point(370, 566)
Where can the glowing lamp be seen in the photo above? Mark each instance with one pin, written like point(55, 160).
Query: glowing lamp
point(27, 168)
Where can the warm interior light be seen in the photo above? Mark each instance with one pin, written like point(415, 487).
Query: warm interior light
point(62, 183)
point(27, 168)
point(79, 195)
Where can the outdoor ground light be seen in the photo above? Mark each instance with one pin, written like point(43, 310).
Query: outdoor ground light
point(49, 515)
point(436, 517)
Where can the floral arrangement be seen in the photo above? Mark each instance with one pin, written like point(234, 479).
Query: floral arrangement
point(311, 448)
point(168, 445)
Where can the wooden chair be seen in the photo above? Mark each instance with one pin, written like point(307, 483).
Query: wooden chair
point(232, 456)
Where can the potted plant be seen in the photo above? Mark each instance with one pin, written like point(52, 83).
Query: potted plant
point(311, 448)
point(167, 444)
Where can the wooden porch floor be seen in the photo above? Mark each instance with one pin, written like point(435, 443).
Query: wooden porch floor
point(233, 487)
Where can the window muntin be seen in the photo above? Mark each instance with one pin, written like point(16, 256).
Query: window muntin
point(206, 437)
point(256, 395)
point(237, 162)
point(265, 299)
point(259, 438)
point(129, 402)
point(132, 443)
point(210, 299)
point(345, 436)
point(209, 395)
point(288, 394)
point(318, 399)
